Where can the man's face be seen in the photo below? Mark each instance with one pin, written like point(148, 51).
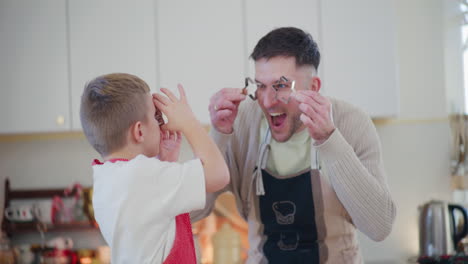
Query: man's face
point(283, 118)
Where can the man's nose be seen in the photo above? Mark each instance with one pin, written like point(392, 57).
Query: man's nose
point(269, 98)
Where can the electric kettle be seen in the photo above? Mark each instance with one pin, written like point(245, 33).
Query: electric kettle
point(440, 229)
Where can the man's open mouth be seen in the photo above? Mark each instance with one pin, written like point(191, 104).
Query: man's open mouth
point(277, 119)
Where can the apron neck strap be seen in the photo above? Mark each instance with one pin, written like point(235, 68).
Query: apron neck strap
point(263, 158)
point(261, 163)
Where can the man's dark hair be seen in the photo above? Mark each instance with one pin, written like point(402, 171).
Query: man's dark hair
point(288, 42)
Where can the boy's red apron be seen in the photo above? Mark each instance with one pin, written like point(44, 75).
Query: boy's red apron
point(183, 250)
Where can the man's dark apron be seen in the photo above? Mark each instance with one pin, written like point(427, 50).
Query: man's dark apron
point(288, 215)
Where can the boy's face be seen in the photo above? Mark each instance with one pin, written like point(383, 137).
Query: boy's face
point(152, 130)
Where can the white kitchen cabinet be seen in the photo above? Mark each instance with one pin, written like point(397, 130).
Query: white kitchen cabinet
point(359, 54)
point(201, 46)
point(51, 48)
point(33, 66)
point(262, 16)
point(110, 36)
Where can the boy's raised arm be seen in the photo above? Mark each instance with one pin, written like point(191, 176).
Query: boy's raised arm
point(181, 118)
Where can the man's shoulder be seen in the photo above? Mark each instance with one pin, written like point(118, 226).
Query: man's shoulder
point(249, 115)
point(343, 110)
point(249, 108)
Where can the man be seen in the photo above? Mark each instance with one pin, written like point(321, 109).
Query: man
point(306, 170)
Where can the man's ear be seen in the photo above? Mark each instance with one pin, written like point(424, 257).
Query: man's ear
point(136, 133)
point(316, 84)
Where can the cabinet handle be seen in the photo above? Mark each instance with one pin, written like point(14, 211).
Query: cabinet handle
point(60, 120)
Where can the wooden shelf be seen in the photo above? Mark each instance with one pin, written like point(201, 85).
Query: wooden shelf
point(17, 227)
point(12, 228)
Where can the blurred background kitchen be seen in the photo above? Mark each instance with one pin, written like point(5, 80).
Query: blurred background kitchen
point(403, 61)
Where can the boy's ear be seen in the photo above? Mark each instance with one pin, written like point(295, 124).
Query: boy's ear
point(136, 132)
point(316, 84)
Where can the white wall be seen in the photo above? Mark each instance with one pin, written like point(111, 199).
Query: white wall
point(416, 162)
point(416, 153)
point(453, 50)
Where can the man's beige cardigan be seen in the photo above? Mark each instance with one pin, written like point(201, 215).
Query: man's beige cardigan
point(350, 192)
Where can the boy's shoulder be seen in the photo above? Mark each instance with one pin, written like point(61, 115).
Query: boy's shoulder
point(120, 169)
point(143, 169)
point(121, 162)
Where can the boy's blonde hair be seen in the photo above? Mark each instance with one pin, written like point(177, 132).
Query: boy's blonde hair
point(110, 104)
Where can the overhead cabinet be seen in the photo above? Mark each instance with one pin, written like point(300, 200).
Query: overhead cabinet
point(200, 46)
point(359, 54)
point(50, 49)
point(33, 67)
point(110, 36)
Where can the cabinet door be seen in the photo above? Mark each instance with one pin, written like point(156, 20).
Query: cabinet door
point(262, 16)
point(33, 66)
point(359, 54)
point(200, 46)
point(110, 36)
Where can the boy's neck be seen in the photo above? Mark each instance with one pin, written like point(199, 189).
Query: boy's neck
point(127, 153)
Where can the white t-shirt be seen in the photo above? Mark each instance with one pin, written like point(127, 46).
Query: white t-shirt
point(290, 157)
point(135, 204)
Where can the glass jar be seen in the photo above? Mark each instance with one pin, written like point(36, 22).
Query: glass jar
point(7, 254)
point(227, 246)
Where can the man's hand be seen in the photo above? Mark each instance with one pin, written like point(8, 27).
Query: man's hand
point(315, 114)
point(169, 146)
point(223, 108)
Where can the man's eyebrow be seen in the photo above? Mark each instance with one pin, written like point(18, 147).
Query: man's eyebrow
point(282, 79)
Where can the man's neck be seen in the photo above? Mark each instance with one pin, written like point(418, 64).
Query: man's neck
point(300, 129)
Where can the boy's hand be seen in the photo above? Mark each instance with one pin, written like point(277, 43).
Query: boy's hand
point(177, 111)
point(169, 146)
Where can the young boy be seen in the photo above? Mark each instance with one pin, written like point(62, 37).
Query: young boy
point(141, 195)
